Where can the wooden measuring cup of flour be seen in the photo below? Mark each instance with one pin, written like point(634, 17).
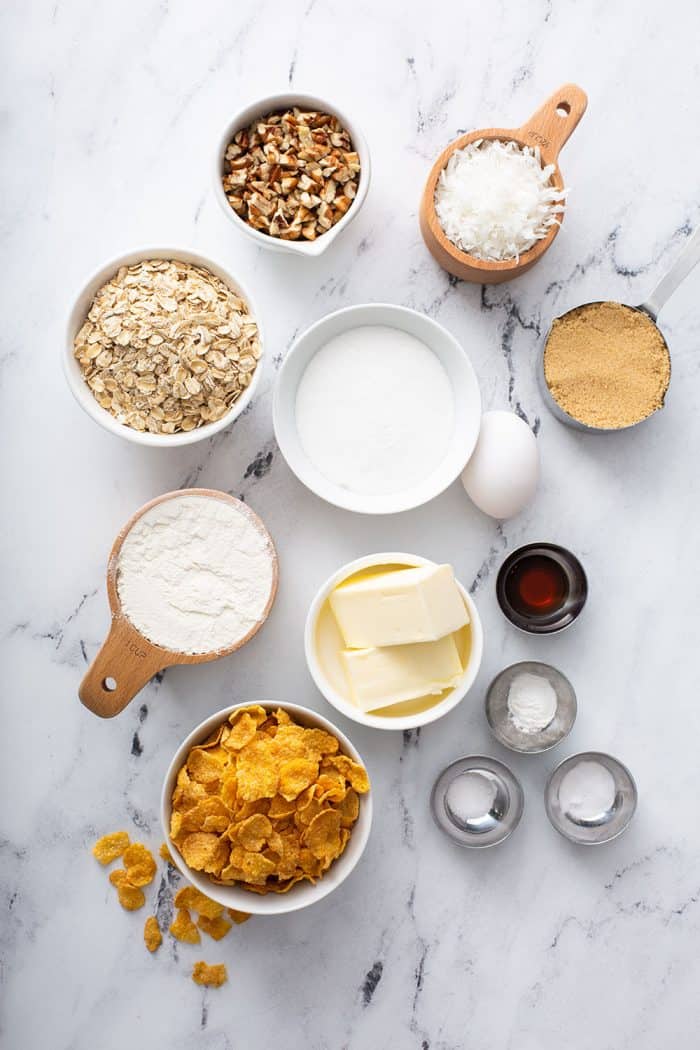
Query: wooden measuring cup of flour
point(127, 660)
point(549, 128)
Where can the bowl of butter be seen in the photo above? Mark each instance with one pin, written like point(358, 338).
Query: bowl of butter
point(393, 640)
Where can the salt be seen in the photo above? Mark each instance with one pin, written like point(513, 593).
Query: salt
point(587, 791)
point(532, 702)
point(470, 796)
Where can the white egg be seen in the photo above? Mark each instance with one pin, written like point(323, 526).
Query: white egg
point(501, 477)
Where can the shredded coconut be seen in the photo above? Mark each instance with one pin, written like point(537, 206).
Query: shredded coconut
point(195, 574)
point(494, 199)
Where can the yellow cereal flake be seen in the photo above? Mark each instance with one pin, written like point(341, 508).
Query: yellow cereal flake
point(140, 865)
point(295, 776)
point(323, 834)
point(109, 847)
point(183, 928)
point(165, 854)
point(238, 916)
point(216, 928)
point(190, 897)
point(130, 897)
point(205, 851)
point(211, 976)
point(152, 936)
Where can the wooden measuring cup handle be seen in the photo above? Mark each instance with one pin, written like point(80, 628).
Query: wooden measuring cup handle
point(552, 124)
point(121, 668)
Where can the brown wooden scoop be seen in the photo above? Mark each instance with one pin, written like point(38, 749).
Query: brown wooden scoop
point(549, 128)
point(127, 660)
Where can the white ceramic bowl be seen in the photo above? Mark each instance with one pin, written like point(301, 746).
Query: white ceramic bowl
point(82, 392)
point(273, 104)
point(453, 359)
point(339, 700)
point(304, 893)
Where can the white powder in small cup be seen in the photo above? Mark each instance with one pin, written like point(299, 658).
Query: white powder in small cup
point(587, 791)
point(470, 796)
point(195, 574)
point(532, 702)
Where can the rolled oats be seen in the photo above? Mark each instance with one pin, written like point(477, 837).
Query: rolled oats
point(167, 346)
point(292, 175)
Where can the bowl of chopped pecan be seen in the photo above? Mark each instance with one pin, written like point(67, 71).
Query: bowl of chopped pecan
point(163, 347)
point(291, 172)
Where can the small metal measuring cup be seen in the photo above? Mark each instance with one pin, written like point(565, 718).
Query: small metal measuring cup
point(686, 261)
point(501, 816)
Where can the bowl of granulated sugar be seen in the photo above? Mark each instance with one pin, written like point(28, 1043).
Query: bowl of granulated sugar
point(377, 408)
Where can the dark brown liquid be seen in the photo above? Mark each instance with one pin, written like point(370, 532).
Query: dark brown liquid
point(536, 586)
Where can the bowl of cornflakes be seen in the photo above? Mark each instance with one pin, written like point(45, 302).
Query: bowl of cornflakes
point(266, 807)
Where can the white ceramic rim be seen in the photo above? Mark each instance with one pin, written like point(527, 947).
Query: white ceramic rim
point(304, 893)
point(270, 104)
point(467, 420)
point(79, 388)
point(383, 721)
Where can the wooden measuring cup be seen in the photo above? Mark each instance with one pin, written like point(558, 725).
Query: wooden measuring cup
point(549, 128)
point(127, 660)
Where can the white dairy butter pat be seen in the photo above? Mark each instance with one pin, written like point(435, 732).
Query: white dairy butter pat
point(400, 607)
point(380, 677)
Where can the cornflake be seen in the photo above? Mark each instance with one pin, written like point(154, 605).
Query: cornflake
point(167, 346)
point(211, 976)
point(109, 847)
point(291, 175)
point(152, 936)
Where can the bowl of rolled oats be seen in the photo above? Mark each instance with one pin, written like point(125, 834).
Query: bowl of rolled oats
point(163, 347)
point(291, 172)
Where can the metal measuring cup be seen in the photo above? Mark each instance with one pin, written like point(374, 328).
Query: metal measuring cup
point(686, 261)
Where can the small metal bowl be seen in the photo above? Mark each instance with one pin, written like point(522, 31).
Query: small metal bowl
point(504, 728)
point(497, 822)
point(553, 405)
point(565, 614)
point(605, 826)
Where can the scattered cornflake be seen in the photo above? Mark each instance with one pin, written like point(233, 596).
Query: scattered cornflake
point(152, 936)
point(165, 854)
point(211, 976)
point(238, 916)
point(109, 847)
point(140, 865)
point(191, 898)
point(216, 928)
point(183, 928)
point(131, 897)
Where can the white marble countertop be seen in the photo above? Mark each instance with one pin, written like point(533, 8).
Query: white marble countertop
point(112, 112)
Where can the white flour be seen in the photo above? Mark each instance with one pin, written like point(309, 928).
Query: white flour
point(194, 574)
point(375, 410)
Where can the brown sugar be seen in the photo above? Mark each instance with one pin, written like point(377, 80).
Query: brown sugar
point(607, 365)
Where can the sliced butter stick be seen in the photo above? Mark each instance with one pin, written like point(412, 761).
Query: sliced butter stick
point(381, 677)
point(399, 607)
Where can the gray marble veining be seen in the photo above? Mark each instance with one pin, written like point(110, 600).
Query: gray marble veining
point(111, 115)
